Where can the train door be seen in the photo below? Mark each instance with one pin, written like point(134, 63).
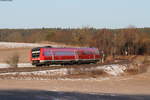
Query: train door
point(86, 55)
point(82, 55)
point(48, 55)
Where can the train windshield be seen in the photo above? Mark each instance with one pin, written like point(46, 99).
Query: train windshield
point(35, 52)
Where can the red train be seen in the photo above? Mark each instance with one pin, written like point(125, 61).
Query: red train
point(49, 55)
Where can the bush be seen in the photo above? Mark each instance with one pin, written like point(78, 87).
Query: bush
point(139, 64)
point(84, 73)
point(13, 60)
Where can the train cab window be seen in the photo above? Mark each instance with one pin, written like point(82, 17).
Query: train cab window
point(35, 52)
point(35, 55)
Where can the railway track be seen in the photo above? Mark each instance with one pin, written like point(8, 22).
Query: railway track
point(42, 68)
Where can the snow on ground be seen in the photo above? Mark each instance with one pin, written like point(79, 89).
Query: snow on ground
point(114, 70)
point(45, 72)
point(23, 45)
point(3, 65)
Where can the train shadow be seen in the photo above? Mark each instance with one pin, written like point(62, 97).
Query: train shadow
point(51, 95)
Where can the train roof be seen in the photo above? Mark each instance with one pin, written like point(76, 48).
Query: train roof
point(65, 48)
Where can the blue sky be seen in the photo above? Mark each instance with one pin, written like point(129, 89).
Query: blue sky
point(74, 13)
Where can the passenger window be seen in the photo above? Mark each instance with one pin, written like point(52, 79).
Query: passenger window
point(47, 53)
point(64, 53)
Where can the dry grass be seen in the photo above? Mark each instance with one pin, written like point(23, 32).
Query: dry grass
point(13, 60)
point(140, 64)
point(28, 77)
point(24, 54)
point(136, 70)
point(84, 73)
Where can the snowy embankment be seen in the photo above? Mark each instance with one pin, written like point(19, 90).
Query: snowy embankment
point(3, 65)
point(113, 70)
point(17, 45)
point(23, 45)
